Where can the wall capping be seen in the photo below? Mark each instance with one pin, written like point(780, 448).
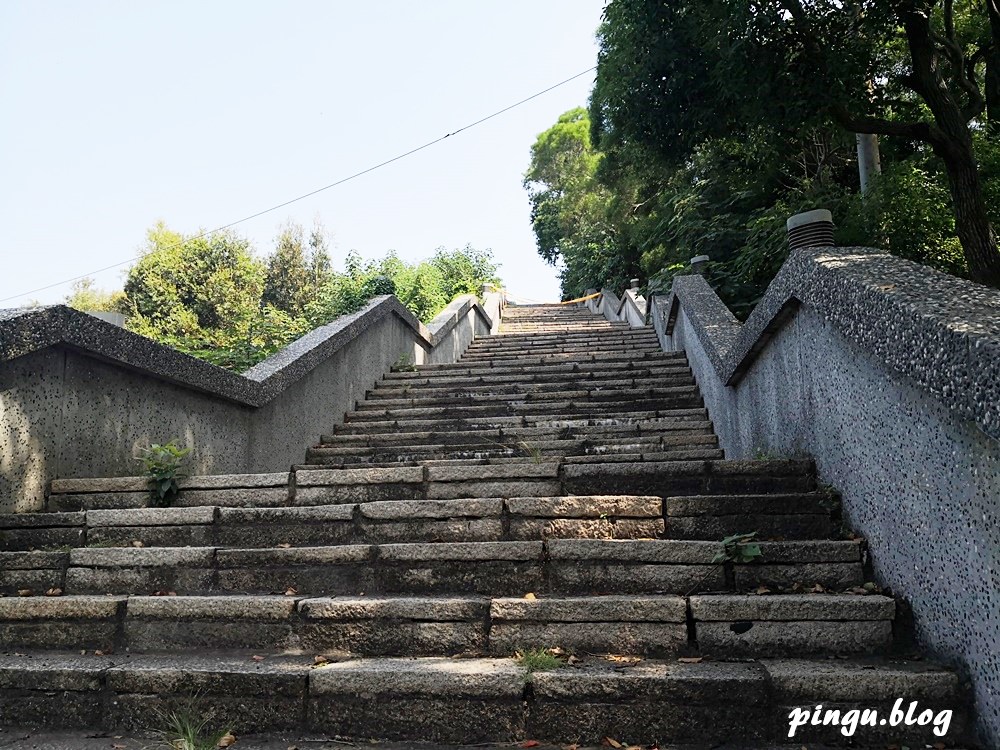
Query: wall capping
point(941, 332)
point(26, 330)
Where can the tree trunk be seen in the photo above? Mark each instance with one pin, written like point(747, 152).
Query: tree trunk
point(951, 139)
point(975, 232)
point(991, 87)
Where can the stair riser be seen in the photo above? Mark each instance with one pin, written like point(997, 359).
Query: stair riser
point(515, 455)
point(488, 577)
point(534, 426)
point(563, 374)
point(521, 399)
point(484, 389)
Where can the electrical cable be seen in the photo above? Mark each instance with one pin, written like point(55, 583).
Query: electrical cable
point(317, 190)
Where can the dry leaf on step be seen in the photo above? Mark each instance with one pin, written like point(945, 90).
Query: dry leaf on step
point(284, 545)
point(257, 658)
point(609, 742)
point(530, 743)
point(291, 592)
point(24, 592)
point(691, 659)
point(54, 592)
point(226, 740)
point(530, 597)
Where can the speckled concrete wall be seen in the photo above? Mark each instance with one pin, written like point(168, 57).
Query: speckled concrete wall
point(922, 484)
point(65, 414)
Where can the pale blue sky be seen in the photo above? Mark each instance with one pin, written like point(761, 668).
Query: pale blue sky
point(117, 114)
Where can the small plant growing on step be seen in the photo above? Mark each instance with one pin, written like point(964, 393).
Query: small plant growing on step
point(404, 364)
point(164, 465)
point(541, 659)
point(186, 730)
point(739, 548)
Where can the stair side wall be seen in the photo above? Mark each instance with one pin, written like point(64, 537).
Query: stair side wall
point(918, 480)
point(66, 413)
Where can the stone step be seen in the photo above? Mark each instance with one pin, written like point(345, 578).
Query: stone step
point(521, 452)
point(387, 390)
point(517, 399)
point(519, 369)
point(446, 700)
point(809, 515)
point(649, 420)
point(581, 350)
point(593, 361)
point(512, 519)
point(503, 568)
point(682, 398)
point(565, 374)
point(722, 626)
point(558, 441)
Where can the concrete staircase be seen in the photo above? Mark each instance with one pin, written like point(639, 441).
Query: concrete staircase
point(558, 488)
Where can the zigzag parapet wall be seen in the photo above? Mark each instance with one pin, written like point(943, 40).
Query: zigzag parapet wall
point(79, 396)
point(888, 375)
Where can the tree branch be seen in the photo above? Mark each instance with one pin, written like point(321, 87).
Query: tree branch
point(917, 131)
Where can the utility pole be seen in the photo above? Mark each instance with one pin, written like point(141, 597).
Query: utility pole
point(869, 162)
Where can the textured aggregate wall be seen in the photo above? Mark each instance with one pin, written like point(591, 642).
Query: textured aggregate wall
point(65, 414)
point(921, 484)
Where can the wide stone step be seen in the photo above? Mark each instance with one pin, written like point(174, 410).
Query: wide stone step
point(682, 398)
point(502, 568)
point(465, 701)
point(722, 626)
point(520, 398)
point(809, 515)
point(565, 374)
point(591, 420)
point(581, 350)
point(512, 519)
point(391, 391)
point(513, 452)
point(582, 361)
point(523, 369)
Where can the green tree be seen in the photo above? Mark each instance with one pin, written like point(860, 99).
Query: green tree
point(85, 295)
point(672, 76)
point(570, 209)
point(296, 269)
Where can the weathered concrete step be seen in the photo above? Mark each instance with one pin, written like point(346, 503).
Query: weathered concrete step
point(428, 455)
point(559, 374)
point(581, 351)
point(347, 625)
point(475, 446)
point(129, 492)
point(649, 419)
point(564, 566)
point(583, 361)
point(521, 369)
point(522, 397)
point(513, 519)
point(394, 390)
point(443, 700)
point(682, 397)
point(807, 515)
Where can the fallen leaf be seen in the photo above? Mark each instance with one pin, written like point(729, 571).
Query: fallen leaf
point(257, 658)
point(691, 659)
point(763, 590)
point(609, 742)
point(291, 592)
point(54, 592)
point(226, 740)
point(98, 652)
point(284, 545)
point(25, 592)
point(138, 543)
point(530, 597)
point(574, 746)
point(634, 747)
point(530, 743)
point(118, 747)
point(320, 659)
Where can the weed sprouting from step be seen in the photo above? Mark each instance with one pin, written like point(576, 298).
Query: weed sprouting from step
point(404, 364)
point(530, 451)
point(186, 729)
point(739, 549)
point(541, 659)
point(164, 465)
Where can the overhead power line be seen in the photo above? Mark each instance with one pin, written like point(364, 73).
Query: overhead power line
point(317, 190)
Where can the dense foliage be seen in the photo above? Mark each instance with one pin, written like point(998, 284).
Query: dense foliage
point(211, 297)
point(712, 121)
